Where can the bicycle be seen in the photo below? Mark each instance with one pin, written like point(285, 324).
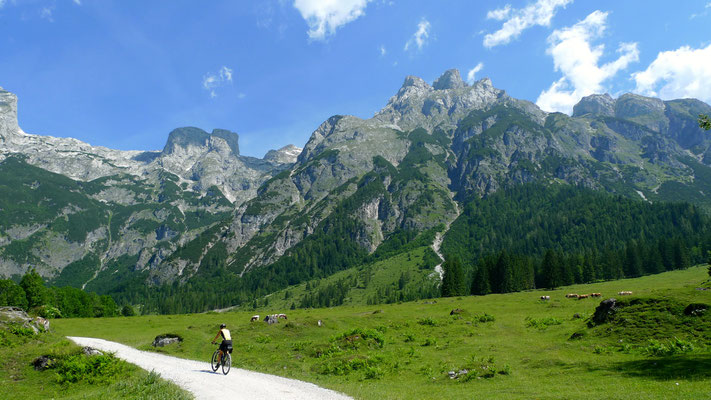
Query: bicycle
point(226, 361)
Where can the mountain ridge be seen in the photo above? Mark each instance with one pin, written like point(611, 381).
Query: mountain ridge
point(409, 168)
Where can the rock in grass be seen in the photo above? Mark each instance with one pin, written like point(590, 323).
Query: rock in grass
point(90, 351)
point(166, 339)
point(603, 312)
point(42, 363)
point(696, 309)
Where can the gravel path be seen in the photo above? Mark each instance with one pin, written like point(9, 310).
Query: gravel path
point(198, 378)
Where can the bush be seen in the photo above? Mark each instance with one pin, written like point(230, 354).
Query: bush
point(661, 349)
point(430, 341)
point(354, 337)
point(542, 323)
point(79, 367)
point(48, 312)
point(20, 330)
point(127, 311)
point(484, 318)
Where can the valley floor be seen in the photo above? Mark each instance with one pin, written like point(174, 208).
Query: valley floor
point(512, 346)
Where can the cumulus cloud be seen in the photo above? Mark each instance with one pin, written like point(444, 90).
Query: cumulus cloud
point(419, 38)
point(517, 20)
point(471, 75)
point(212, 81)
point(684, 72)
point(383, 50)
point(325, 16)
point(2, 3)
point(578, 60)
point(77, 2)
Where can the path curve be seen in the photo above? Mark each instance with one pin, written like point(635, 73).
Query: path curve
point(197, 376)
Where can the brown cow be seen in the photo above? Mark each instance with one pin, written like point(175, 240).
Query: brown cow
point(571, 296)
point(595, 294)
point(254, 318)
point(582, 296)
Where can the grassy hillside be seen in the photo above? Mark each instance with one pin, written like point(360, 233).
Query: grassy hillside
point(512, 345)
point(73, 374)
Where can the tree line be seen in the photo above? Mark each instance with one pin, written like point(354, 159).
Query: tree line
point(32, 295)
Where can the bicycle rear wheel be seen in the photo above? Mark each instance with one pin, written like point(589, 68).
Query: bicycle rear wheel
point(226, 363)
point(215, 365)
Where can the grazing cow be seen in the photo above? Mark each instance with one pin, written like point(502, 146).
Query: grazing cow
point(625, 293)
point(254, 318)
point(271, 319)
point(545, 297)
point(281, 316)
point(595, 294)
point(571, 296)
point(582, 296)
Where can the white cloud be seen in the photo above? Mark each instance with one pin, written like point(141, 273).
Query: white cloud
point(77, 2)
point(2, 3)
point(419, 38)
point(212, 81)
point(472, 72)
point(499, 14)
point(46, 13)
point(383, 51)
point(578, 61)
point(325, 16)
point(539, 13)
point(684, 72)
point(703, 13)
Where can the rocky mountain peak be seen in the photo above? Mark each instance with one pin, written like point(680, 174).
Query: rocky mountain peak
point(182, 138)
point(8, 112)
point(602, 104)
point(285, 155)
point(450, 79)
point(631, 105)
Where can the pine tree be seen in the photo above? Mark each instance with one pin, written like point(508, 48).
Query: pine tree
point(34, 289)
point(453, 283)
point(481, 284)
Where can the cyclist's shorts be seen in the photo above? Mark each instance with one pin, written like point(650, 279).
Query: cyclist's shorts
point(226, 345)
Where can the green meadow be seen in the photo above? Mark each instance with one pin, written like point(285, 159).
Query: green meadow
point(503, 346)
point(71, 374)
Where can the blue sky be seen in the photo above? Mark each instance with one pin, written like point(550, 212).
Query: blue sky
point(123, 74)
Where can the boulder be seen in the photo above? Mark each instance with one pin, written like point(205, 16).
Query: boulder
point(15, 315)
point(90, 351)
point(696, 309)
point(603, 312)
point(164, 340)
point(42, 363)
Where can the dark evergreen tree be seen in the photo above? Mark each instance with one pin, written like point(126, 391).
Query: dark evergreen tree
point(453, 282)
point(481, 284)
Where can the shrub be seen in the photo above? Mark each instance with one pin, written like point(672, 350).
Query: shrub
point(79, 367)
point(354, 337)
point(661, 349)
point(409, 337)
point(20, 330)
point(430, 341)
point(542, 323)
point(484, 318)
point(373, 373)
point(263, 339)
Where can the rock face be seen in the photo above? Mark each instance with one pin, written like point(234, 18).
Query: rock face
point(198, 158)
point(596, 104)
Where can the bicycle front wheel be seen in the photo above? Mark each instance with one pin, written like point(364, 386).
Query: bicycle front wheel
point(226, 363)
point(215, 365)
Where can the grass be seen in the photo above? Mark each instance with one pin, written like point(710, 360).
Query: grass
point(72, 375)
point(410, 350)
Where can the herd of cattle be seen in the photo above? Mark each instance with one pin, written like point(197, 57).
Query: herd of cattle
point(585, 296)
point(269, 318)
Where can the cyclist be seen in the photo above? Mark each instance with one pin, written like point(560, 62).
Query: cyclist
point(226, 345)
